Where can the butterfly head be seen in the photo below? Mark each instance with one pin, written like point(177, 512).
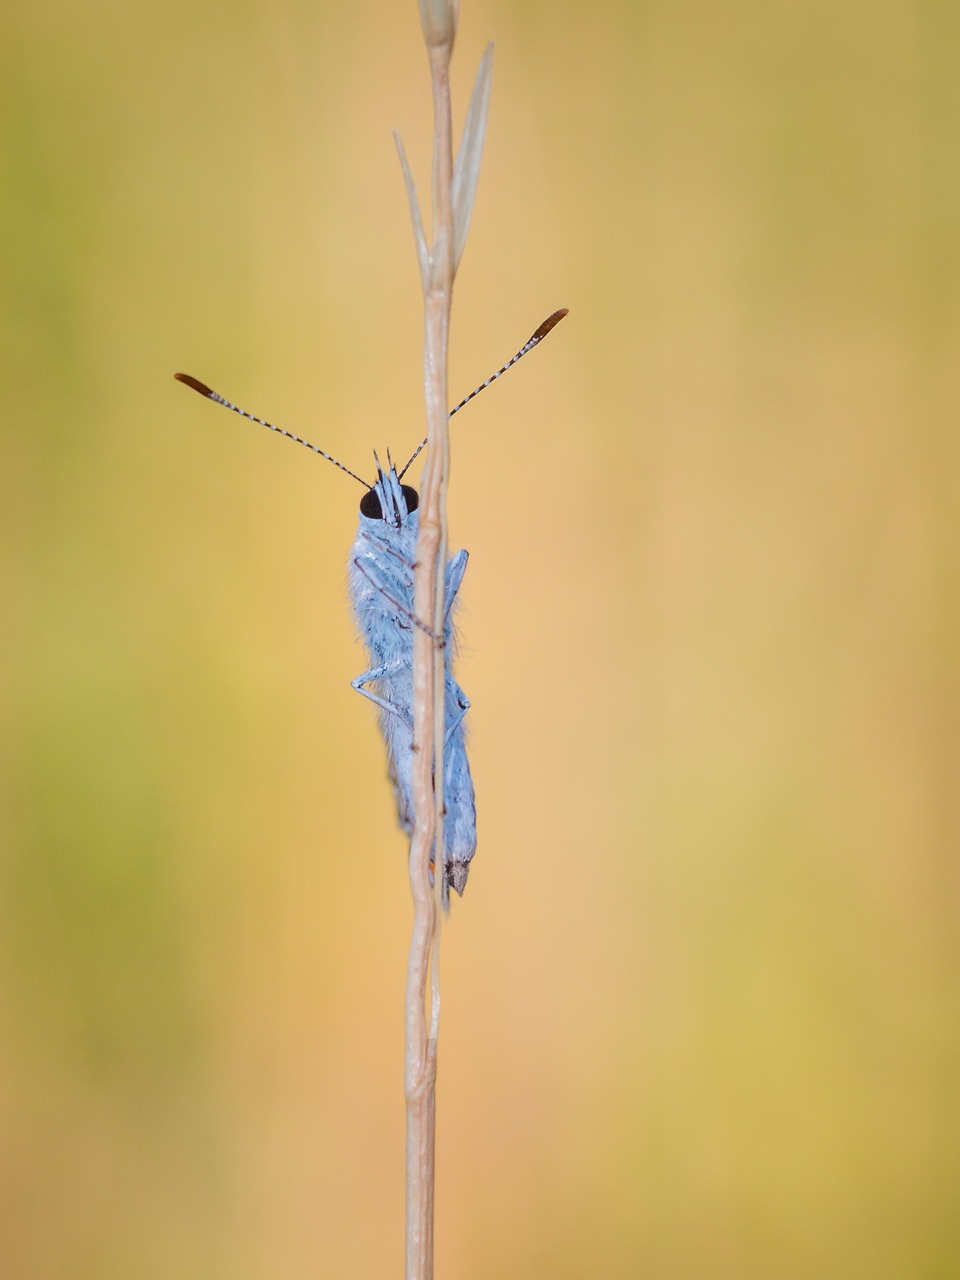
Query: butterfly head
point(389, 500)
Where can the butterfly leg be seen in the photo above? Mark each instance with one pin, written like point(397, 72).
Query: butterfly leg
point(397, 604)
point(391, 668)
point(456, 568)
point(386, 669)
point(463, 706)
point(387, 549)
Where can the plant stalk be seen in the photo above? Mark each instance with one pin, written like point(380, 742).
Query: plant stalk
point(429, 693)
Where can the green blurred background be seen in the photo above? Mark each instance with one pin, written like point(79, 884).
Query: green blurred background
point(700, 1011)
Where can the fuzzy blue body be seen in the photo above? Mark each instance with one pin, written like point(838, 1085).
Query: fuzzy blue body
point(381, 588)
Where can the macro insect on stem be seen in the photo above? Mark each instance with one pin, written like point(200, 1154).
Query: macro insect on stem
point(380, 573)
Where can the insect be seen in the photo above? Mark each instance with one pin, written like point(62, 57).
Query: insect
point(380, 576)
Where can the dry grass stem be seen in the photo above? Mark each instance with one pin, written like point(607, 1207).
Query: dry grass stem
point(452, 201)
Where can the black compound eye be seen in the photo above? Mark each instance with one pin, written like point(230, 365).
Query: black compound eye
point(370, 505)
point(411, 496)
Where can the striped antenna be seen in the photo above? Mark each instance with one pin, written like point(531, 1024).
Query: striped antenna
point(204, 390)
point(531, 342)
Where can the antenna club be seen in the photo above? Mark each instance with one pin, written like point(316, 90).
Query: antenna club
point(549, 323)
point(195, 383)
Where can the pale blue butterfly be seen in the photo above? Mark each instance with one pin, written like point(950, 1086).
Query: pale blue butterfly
point(381, 588)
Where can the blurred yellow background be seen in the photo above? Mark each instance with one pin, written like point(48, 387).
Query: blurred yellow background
point(700, 1000)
